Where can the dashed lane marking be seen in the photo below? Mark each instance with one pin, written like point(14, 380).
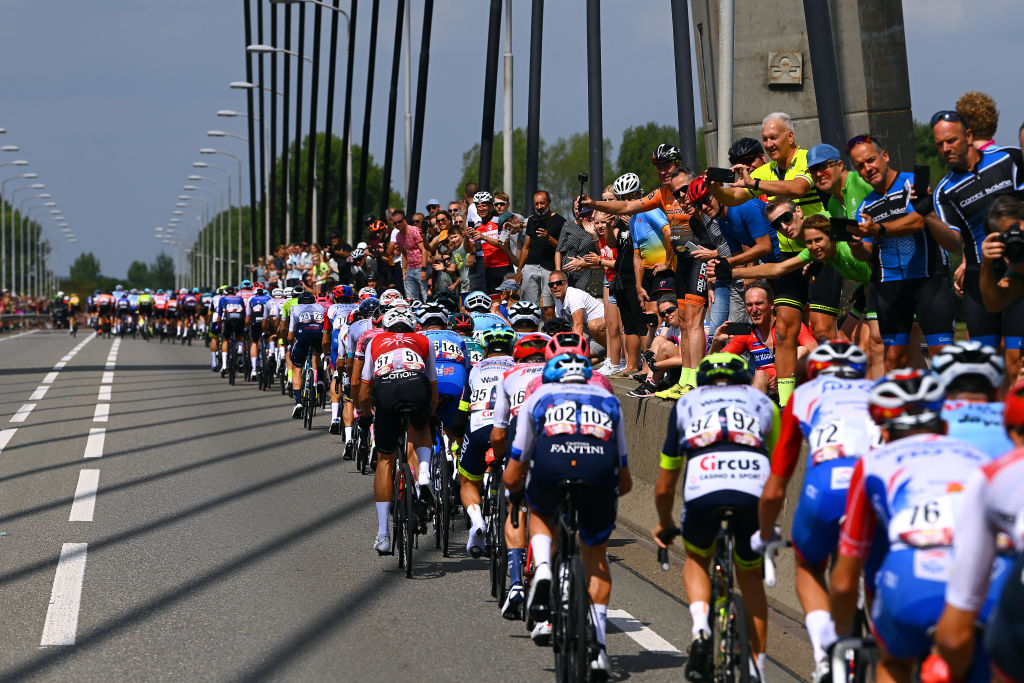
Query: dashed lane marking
point(642, 635)
point(102, 412)
point(61, 626)
point(94, 446)
point(23, 412)
point(104, 394)
point(5, 437)
point(85, 496)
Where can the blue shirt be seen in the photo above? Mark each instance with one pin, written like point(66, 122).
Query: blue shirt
point(449, 347)
point(907, 257)
point(744, 224)
point(647, 232)
point(257, 307)
point(980, 424)
point(231, 307)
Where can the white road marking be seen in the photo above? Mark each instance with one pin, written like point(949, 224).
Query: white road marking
point(644, 636)
point(66, 358)
point(23, 412)
point(5, 437)
point(20, 334)
point(94, 446)
point(61, 627)
point(108, 366)
point(50, 378)
point(108, 377)
point(104, 394)
point(102, 412)
point(38, 394)
point(59, 366)
point(85, 496)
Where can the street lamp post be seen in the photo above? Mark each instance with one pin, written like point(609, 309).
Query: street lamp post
point(23, 229)
point(208, 150)
point(226, 172)
point(3, 222)
point(16, 229)
point(220, 217)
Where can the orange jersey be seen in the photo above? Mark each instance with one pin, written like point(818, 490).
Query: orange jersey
point(662, 198)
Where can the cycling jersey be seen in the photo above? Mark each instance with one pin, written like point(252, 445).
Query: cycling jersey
point(305, 319)
point(274, 308)
point(453, 366)
point(123, 305)
point(246, 294)
point(764, 357)
point(844, 262)
point(355, 331)
point(476, 351)
point(145, 303)
point(649, 231)
point(104, 302)
point(172, 308)
point(512, 392)
point(363, 343)
point(256, 308)
point(596, 379)
point(402, 368)
point(979, 424)
point(663, 200)
point(231, 307)
point(160, 301)
point(478, 400)
point(906, 257)
point(573, 431)
point(809, 203)
point(962, 198)
point(743, 224)
point(399, 354)
point(190, 303)
point(855, 189)
point(286, 307)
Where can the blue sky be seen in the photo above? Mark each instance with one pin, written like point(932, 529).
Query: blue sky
point(110, 100)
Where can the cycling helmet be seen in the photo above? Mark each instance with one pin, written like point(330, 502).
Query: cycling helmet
point(368, 219)
point(837, 357)
point(566, 342)
point(180, 291)
point(390, 295)
point(498, 340)
point(477, 302)
point(307, 298)
point(357, 253)
point(229, 290)
point(367, 293)
point(744, 147)
point(277, 293)
point(626, 184)
point(449, 300)
point(160, 291)
point(414, 304)
point(367, 307)
point(906, 398)
point(297, 291)
point(568, 368)
point(969, 366)
point(195, 290)
point(432, 314)
point(399, 320)
point(1013, 406)
point(666, 154)
point(461, 323)
point(524, 312)
point(553, 326)
point(378, 225)
point(723, 368)
point(697, 190)
point(260, 291)
point(342, 292)
point(119, 288)
point(483, 197)
point(246, 284)
point(529, 346)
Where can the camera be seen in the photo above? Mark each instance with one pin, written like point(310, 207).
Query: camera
point(582, 178)
point(1013, 245)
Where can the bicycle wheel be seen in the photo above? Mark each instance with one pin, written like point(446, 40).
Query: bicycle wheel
point(398, 519)
point(737, 643)
point(501, 548)
point(231, 363)
point(570, 628)
point(411, 518)
point(444, 504)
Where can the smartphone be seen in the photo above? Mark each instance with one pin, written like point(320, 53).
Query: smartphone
point(738, 328)
point(690, 246)
point(839, 235)
point(721, 175)
point(841, 226)
point(922, 179)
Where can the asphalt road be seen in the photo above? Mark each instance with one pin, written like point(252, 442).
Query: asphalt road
point(157, 523)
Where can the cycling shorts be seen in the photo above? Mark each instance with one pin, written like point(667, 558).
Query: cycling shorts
point(145, 309)
point(700, 525)
point(304, 343)
point(910, 594)
point(691, 281)
point(821, 505)
point(188, 310)
point(596, 507)
point(392, 392)
point(825, 292)
point(1004, 634)
point(255, 330)
point(171, 314)
point(989, 328)
point(473, 458)
point(930, 298)
point(232, 330)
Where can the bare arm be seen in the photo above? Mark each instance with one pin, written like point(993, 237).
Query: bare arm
point(947, 237)
point(762, 247)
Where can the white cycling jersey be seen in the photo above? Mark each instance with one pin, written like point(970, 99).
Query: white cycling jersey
point(512, 392)
point(482, 388)
point(833, 415)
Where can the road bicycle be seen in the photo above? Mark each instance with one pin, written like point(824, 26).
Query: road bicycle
point(732, 661)
point(404, 502)
point(441, 473)
point(495, 511)
point(232, 363)
point(309, 392)
point(363, 447)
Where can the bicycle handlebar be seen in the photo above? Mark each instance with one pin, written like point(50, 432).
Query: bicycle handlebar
point(666, 536)
point(770, 550)
point(515, 501)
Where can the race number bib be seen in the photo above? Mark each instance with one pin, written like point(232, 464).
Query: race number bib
point(475, 356)
point(446, 349)
point(399, 359)
point(594, 422)
point(826, 442)
point(515, 400)
point(725, 425)
point(560, 419)
point(927, 523)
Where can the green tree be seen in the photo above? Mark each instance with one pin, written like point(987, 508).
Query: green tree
point(635, 151)
point(138, 275)
point(471, 166)
point(86, 268)
point(161, 272)
point(926, 152)
point(562, 161)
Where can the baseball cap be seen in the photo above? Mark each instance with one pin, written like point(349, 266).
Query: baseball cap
point(819, 154)
point(433, 202)
point(664, 285)
point(508, 286)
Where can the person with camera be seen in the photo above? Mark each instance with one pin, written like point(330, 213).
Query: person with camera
point(957, 213)
point(410, 243)
point(537, 253)
point(1002, 256)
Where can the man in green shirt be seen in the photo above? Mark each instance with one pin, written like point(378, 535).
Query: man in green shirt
point(845, 189)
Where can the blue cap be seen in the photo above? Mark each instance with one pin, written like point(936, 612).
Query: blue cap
point(819, 154)
point(432, 202)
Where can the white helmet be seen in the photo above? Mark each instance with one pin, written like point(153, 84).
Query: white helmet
point(483, 197)
point(400, 319)
point(626, 184)
point(277, 293)
point(389, 296)
point(478, 302)
point(969, 358)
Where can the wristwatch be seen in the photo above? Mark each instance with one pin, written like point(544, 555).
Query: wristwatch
point(881, 231)
point(757, 183)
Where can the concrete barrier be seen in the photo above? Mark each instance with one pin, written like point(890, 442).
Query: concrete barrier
point(646, 420)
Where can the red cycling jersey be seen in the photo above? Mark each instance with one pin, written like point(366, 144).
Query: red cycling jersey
point(390, 353)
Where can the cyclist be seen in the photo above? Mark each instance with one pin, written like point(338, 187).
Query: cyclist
point(214, 327)
point(231, 315)
point(292, 298)
point(912, 486)
point(367, 293)
point(124, 314)
point(478, 305)
point(272, 323)
point(973, 374)
point(362, 330)
point(336, 325)
point(831, 412)
point(255, 315)
point(528, 354)
point(524, 317)
point(569, 342)
point(170, 315)
point(453, 366)
point(104, 310)
point(399, 371)
point(189, 310)
point(477, 405)
point(462, 324)
point(571, 430)
point(305, 329)
point(722, 432)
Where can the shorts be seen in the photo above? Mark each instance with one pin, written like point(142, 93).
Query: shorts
point(146, 310)
point(910, 594)
point(391, 392)
point(930, 298)
point(821, 505)
point(1004, 634)
point(608, 290)
point(304, 343)
point(473, 458)
point(596, 508)
point(535, 285)
point(630, 311)
point(691, 281)
point(232, 330)
point(790, 289)
point(700, 525)
point(188, 311)
point(255, 331)
point(989, 328)
point(171, 313)
point(825, 292)
point(451, 382)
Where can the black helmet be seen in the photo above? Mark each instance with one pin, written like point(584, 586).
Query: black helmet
point(666, 153)
point(368, 218)
point(744, 147)
point(307, 298)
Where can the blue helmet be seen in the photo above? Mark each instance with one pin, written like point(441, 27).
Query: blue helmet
point(368, 306)
point(568, 368)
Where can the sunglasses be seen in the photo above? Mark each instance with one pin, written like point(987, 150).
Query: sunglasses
point(858, 140)
point(785, 219)
point(946, 115)
point(497, 203)
point(556, 283)
point(681, 192)
point(668, 311)
point(822, 167)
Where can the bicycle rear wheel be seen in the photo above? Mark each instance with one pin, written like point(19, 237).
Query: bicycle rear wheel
point(570, 627)
point(737, 643)
point(501, 547)
point(445, 503)
point(231, 363)
point(411, 518)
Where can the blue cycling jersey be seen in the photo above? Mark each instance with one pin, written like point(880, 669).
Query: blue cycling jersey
point(742, 225)
point(449, 347)
point(979, 424)
point(231, 307)
point(907, 257)
point(257, 307)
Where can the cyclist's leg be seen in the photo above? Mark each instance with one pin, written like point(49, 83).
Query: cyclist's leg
point(472, 467)
point(388, 426)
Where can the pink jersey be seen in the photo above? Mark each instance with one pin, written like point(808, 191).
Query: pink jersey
point(597, 379)
point(512, 392)
point(364, 340)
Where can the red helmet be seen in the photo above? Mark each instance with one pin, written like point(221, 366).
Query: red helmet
point(1013, 406)
point(529, 345)
point(698, 190)
point(461, 323)
point(566, 342)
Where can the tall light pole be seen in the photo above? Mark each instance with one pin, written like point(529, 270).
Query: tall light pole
point(3, 220)
point(16, 229)
point(23, 229)
point(220, 216)
point(226, 172)
point(209, 150)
